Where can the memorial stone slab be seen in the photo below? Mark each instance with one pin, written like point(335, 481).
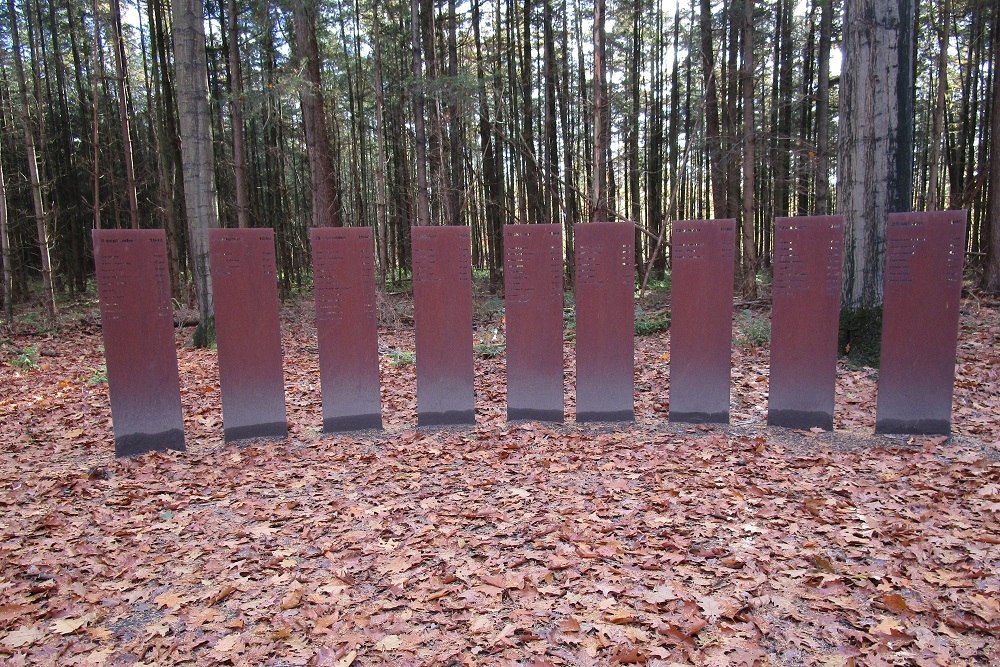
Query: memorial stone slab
point(442, 313)
point(920, 319)
point(245, 292)
point(605, 321)
point(533, 289)
point(805, 312)
point(133, 286)
point(701, 320)
point(346, 327)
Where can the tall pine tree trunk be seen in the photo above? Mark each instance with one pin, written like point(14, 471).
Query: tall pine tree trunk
point(8, 270)
point(325, 199)
point(823, 109)
point(991, 276)
point(875, 156)
point(749, 143)
point(599, 204)
point(236, 94)
point(381, 192)
point(937, 125)
point(197, 154)
point(41, 225)
point(121, 70)
point(419, 128)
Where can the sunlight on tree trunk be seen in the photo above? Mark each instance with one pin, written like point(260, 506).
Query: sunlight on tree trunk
point(875, 156)
point(197, 154)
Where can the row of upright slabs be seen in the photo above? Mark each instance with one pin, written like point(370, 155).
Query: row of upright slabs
point(922, 290)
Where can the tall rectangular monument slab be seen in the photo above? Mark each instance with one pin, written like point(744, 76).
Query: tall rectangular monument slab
point(922, 292)
point(605, 321)
point(701, 322)
point(347, 327)
point(442, 313)
point(133, 285)
point(805, 311)
point(533, 301)
point(245, 291)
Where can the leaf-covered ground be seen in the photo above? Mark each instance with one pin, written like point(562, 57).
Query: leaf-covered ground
point(654, 544)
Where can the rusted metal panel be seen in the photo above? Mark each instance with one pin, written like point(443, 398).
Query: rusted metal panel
point(808, 256)
point(347, 327)
point(605, 321)
point(533, 290)
point(701, 320)
point(442, 313)
point(245, 292)
point(133, 286)
point(922, 291)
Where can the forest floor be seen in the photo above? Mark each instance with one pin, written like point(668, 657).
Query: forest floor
point(654, 543)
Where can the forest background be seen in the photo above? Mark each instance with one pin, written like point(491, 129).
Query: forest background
point(301, 113)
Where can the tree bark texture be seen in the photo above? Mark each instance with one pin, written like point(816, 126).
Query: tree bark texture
point(991, 274)
point(325, 199)
point(197, 153)
point(41, 224)
point(873, 151)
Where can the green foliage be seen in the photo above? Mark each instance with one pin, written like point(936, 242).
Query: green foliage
point(754, 329)
point(32, 319)
point(647, 324)
point(98, 376)
point(26, 359)
point(401, 358)
point(860, 336)
point(661, 284)
point(489, 308)
point(489, 349)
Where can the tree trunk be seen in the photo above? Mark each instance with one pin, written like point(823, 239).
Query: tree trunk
point(236, 106)
point(381, 205)
point(33, 174)
point(455, 126)
point(492, 180)
point(8, 270)
point(937, 130)
point(121, 70)
point(95, 117)
point(419, 129)
point(749, 141)
point(991, 275)
point(716, 155)
point(823, 109)
point(634, 168)
point(197, 154)
point(599, 205)
point(325, 198)
point(875, 159)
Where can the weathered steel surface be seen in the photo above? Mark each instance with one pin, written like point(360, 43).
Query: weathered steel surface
point(808, 256)
point(605, 321)
point(533, 288)
point(922, 290)
point(347, 327)
point(245, 291)
point(701, 320)
point(442, 312)
point(133, 285)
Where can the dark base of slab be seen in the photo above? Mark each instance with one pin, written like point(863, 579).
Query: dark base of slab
point(800, 419)
point(273, 430)
point(138, 443)
point(700, 417)
point(449, 418)
point(914, 427)
point(611, 416)
point(352, 423)
point(535, 415)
